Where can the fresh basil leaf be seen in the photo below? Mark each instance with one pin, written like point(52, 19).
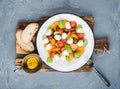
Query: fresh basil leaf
point(44, 37)
point(68, 48)
point(56, 33)
point(85, 43)
point(77, 55)
point(79, 27)
point(49, 60)
point(61, 24)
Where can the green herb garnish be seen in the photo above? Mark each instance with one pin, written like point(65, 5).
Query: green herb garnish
point(78, 27)
point(49, 60)
point(44, 37)
point(61, 24)
point(77, 55)
point(56, 33)
point(68, 48)
point(85, 43)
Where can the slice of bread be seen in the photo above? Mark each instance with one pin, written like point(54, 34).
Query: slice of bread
point(29, 32)
point(25, 46)
point(19, 50)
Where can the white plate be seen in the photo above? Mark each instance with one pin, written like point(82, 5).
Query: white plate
point(60, 64)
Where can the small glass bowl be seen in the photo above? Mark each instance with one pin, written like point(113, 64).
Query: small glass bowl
point(25, 65)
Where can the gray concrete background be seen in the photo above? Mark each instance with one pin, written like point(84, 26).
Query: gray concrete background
point(107, 24)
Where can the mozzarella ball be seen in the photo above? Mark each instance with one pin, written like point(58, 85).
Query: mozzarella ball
point(64, 35)
point(68, 25)
point(65, 53)
point(70, 41)
point(48, 32)
point(56, 57)
point(45, 40)
point(49, 46)
point(80, 30)
point(57, 37)
point(80, 43)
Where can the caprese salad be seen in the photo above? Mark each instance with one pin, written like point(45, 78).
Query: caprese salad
point(64, 38)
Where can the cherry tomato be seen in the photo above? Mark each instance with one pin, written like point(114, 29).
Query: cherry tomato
point(81, 35)
point(73, 24)
point(60, 44)
point(63, 48)
point(52, 54)
point(60, 31)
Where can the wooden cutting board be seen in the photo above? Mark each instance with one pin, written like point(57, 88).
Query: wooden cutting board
point(100, 45)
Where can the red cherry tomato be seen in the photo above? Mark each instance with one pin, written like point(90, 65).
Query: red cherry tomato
point(62, 48)
point(73, 24)
point(52, 54)
point(60, 31)
point(60, 44)
point(81, 35)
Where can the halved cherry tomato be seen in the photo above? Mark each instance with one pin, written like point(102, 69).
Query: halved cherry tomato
point(52, 54)
point(73, 24)
point(60, 31)
point(60, 44)
point(81, 35)
point(63, 48)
